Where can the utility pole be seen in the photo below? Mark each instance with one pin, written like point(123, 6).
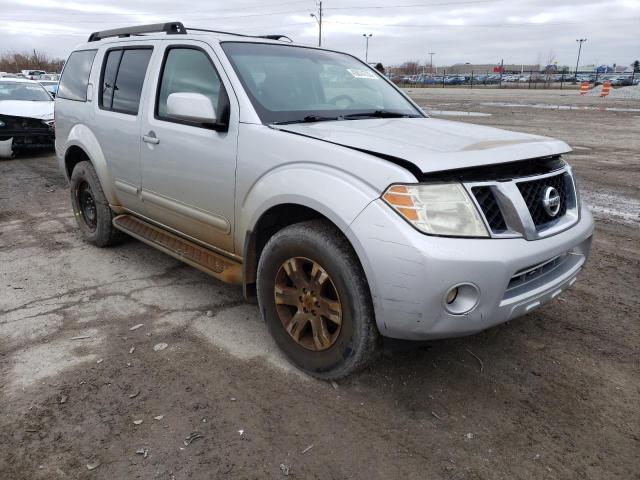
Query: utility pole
point(432, 54)
point(366, 53)
point(318, 18)
point(580, 41)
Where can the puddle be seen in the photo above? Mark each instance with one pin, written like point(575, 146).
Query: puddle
point(457, 113)
point(548, 106)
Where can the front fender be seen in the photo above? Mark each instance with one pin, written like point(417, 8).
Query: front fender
point(82, 137)
point(334, 193)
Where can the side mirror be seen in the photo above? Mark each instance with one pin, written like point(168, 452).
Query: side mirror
point(193, 107)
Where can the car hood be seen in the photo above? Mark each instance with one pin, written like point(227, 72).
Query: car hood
point(430, 144)
point(28, 109)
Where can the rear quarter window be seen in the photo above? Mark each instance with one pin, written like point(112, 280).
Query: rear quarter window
point(75, 77)
point(122, 79)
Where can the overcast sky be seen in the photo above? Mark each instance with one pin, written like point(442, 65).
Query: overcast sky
point(458, 31)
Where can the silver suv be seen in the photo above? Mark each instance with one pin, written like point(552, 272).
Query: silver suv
point(308, 178)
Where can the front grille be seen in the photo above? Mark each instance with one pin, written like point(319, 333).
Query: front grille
point(489, 206)
point(533, 191)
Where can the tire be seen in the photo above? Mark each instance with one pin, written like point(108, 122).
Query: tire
point(95, 223)
point(317, 248)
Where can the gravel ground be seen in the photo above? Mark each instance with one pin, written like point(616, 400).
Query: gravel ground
point(631, 92)
point(86, 394)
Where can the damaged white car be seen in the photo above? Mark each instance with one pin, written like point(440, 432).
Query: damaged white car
point(26, 116)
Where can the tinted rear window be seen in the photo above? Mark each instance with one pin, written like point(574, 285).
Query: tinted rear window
point(109, 77)
point(75, 77)
point(123, 78)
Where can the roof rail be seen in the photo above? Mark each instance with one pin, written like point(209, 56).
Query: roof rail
point(268, 37)
point(274, 37)
point(218, 31)
point(169, 28)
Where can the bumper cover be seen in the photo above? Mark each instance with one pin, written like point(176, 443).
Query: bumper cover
point(410, 273)
point(23, 133)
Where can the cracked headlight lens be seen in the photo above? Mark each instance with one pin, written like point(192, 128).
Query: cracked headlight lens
point(437, 209)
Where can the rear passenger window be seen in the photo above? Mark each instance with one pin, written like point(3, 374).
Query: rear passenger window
point(75, 77)
point(187, 70)
point(122, 79)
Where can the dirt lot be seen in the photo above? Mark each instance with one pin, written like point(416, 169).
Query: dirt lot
point(557, 395)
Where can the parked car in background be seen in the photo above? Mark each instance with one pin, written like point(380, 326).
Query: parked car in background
point(26, 116)
point(50, 86)
point(50, 77)
point(32, 74)
point(308, 178)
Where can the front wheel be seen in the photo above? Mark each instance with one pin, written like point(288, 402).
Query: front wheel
point(315, 300)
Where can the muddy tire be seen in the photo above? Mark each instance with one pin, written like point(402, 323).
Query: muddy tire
point(315, 299)
point(91, 208)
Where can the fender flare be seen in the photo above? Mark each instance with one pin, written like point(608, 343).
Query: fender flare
point(312, 185)
point(82, 137)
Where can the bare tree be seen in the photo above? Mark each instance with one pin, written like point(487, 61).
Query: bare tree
point(410, 68)
point(12, 61)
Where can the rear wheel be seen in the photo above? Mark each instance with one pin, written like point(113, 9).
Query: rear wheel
point(91, 208)
point(315, 299)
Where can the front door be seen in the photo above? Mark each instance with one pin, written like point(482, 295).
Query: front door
point(188, 170)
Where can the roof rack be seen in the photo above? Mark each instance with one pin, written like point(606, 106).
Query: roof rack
point(274, 37)
point(170, 28)
point(268, 37)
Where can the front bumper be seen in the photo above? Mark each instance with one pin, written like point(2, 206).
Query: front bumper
point(22, 133)
point(410, 273)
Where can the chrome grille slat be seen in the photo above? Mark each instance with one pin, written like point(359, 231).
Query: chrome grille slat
point(513, 208)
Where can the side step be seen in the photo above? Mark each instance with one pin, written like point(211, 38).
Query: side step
point(199, 257)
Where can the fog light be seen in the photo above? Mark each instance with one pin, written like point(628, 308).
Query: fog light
point(452, 295)
point(461, 299)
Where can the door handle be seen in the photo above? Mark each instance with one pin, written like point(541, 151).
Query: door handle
point(151, 138)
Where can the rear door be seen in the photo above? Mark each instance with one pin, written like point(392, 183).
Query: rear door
point(118, 113)
point(188, 170)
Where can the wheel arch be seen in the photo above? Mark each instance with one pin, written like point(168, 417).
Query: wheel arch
point(82, 145)
point(271, 221)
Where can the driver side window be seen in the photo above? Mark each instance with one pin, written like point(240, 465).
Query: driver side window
point(187, 70)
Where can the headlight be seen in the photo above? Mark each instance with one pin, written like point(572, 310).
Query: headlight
point(437, 209)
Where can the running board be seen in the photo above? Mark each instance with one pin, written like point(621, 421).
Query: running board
point(189, 252)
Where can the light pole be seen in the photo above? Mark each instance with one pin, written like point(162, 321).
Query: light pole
point(580, 41)
point(366, 53)
point(319, 20)
point(431, 54)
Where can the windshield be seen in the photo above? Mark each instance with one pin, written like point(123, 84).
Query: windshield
point(23, 91)
point(291, 84)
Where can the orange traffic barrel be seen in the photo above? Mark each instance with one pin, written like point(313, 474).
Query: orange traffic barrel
point(605, 89)
point(584, 87)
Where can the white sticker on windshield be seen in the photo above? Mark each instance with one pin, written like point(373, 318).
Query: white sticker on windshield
point(362, 73)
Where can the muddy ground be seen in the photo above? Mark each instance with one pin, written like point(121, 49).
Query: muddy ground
point(555, 395)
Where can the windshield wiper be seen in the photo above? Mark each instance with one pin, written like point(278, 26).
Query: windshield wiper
point(309, 119)
point(380, 114)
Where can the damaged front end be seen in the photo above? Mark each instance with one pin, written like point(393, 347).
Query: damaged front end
point(18, 134)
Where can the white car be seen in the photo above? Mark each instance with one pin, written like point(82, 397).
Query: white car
point(26, 116)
